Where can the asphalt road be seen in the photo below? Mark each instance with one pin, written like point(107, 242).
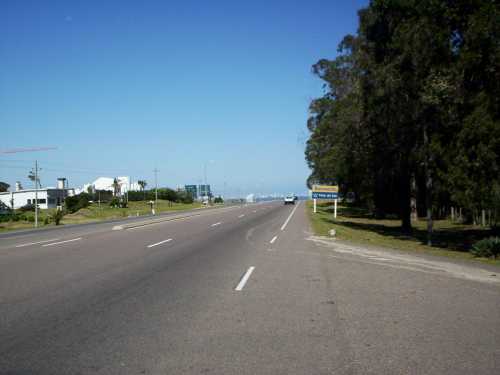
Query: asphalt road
point(242, 290)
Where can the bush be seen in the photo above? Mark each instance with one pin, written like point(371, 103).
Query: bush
point(163, 193)
point(46, 221)
point(135, 196)
point(185, 197)
point(6, 217)
point(218, 200)
point(103, 195)
point(77, 202)
point(118, 203)
point(167, 194)
point(486, 248)
point(27, 208)
point(57, 216)
point(115, 202)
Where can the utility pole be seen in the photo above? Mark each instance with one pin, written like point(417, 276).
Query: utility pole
point(205, 175)
point(17, 150)
point(36, 193)
point(205, 172)
point(33, 176)
point(156, 187)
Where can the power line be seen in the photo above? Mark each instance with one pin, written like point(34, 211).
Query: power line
point(63, 169)
point(17, 150)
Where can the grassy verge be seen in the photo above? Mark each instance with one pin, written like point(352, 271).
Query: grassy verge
point(105, 212)
point(94, 213)
point(356, 225)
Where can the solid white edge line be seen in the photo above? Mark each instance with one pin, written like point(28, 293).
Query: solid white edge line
point(289, 217)
point(239, 217)
point(57, 243)
point(274, 239)
point(214, 225)
point(244, 279)
point(159, 243)
point(36, 243)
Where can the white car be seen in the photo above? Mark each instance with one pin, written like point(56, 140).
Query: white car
point(290, 199)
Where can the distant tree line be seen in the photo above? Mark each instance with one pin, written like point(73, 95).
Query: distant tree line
point(163, 193)
point(145, 195)
point(411, 111)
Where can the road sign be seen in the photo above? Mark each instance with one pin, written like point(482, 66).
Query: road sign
point(325, 189)
point(320, 195)
point(325, 192)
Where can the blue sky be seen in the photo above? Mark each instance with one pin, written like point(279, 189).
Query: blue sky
point(122, 87)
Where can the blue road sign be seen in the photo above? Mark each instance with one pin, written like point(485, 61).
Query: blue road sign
point(316, 195)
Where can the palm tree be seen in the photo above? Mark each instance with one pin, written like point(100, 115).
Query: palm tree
point(142, 184)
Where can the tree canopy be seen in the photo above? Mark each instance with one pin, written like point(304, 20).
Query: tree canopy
point(411, 109)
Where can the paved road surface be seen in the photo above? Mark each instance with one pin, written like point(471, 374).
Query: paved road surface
point(244, 290)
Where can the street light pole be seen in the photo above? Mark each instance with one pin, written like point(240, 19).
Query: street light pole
point(36, 193)
point(205, 170)
point(156, 187)
point(205, 175)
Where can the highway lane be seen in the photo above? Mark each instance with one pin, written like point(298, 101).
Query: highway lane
point(253, 294)
point(45, 268)
point(29, 236)
point(43, 284)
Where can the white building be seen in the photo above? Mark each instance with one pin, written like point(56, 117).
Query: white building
point(49, 197)
point(106, 183)
point(250, 198)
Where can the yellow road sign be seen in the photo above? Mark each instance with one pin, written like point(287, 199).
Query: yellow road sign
point(325, 189)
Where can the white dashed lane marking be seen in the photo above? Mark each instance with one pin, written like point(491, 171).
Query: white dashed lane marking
point(244, 279)
point(61, 242)
point(159, 243)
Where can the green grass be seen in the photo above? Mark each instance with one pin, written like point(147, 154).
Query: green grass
point(24, 224)
point(105, 212)
point(356, 225)
point(94, 213)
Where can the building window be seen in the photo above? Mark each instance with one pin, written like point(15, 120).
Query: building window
point(52, 201)
point(29, 201)
point(42, 201)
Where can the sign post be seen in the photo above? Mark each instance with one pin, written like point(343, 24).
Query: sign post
point(329, 192)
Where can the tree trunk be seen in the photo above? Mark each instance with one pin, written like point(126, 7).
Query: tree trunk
point(405, 196)
point(428, 187)
point(378, 196)
point(421, 193)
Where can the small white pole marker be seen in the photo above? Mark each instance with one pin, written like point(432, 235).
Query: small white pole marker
point(314, 200)
point(335, 209)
